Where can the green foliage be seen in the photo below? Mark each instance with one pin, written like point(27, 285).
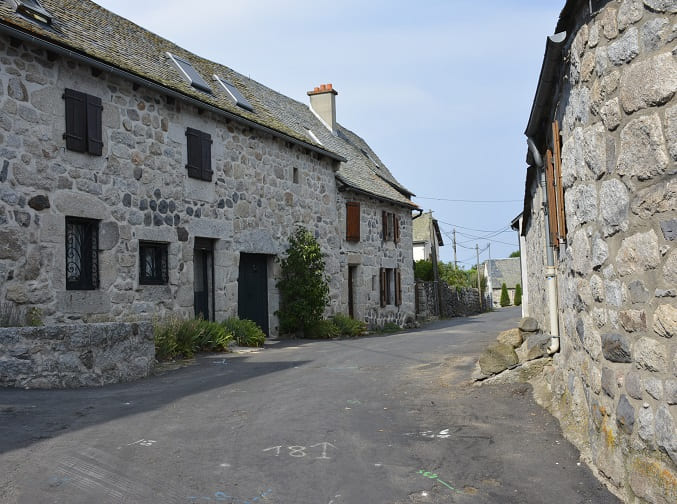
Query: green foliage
point(518, 295)
point(322, 329)
point(34, 317)
point(423, 270)
point(177, 337)
point(246, 332)
point(348, 326)
point(505, 298)
point(390, 327)
point(303, 286)
point(516, 253)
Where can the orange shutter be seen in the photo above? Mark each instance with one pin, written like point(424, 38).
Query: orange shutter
point(552, 204)
point(396, 228)
point(353, 221)
point(561, 216)
point(384, 287)
point(398, 287)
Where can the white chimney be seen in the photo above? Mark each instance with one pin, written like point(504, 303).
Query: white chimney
point(323, 104)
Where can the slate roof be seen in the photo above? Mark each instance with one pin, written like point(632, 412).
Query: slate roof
point(88, 29)
point(421, 229)
point(506, 271)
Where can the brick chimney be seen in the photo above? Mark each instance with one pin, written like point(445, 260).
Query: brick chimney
point(323, 103)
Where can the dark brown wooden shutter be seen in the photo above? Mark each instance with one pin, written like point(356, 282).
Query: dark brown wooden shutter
point(398, 287)
point(384, 225)
point(353, 221)
point(206, 153)
point(396, 228)
point(194, 153)
point(561, 216)
point(94, 131)
point(384, 287)
point(76, 120)
point(552, 204)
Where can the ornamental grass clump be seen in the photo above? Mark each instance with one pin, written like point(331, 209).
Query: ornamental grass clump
point(246, 332)
point(348, 326)
point(176, 337)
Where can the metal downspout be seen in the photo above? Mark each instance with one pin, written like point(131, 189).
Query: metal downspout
point(550, 270)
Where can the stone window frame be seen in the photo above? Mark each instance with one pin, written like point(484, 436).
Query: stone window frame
point(391, 227)
point(391, 286)
point(84, 131)
point(199, 154)
point(159, 254)
point(82, 253)
point(353, 221)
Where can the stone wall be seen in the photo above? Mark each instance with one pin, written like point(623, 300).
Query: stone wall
point(456, 302)
point(371, 254)
point(615, 378)
point(82, 355)
point(139, 190)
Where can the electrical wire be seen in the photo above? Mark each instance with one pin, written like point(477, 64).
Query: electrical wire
point(469, 201)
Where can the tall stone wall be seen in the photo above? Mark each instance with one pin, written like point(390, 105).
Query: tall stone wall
point(615, 378)
point(82, 355)
point(139, 190)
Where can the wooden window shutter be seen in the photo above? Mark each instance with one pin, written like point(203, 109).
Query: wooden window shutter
point(384, 216)
point(76, 120)
point(353, 221)
point(384, 287)
point(396, 228)
point(398, 287)
point(552, 204)
point(206, 153)
point(94, 132)
point(194, 153)
point(561, 216)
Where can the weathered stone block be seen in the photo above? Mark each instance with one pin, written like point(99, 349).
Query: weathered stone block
point(654, 33)
point(654, 387)
point(633, 385)
point(609, 22)
point(610, 113)
point(600, 252)
point(666, 432)
point(625, 415)
point(661, 5)
point(638, 253)
point(671, 131)
point(658, 198)
point(528, 324)
point(650, 354)
point(638, 292)
point(109, 235)
point(511, 337)
point(670, 269)
point(616, 348)
point(613, 206)
point(633, 320)
point(11, 244)
point(665, 321)
point(649, 83)
point(645, 426)
point(609, 382)
point(497, 357)
point(669, 228)
point(642, 152)
point(652, 480)
point(624, 49)
point(629, 12)
point(39, 202)
point(671, 391)
point(581, 205)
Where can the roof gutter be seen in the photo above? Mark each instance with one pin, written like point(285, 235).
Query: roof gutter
point(546, 81)
point(64, 51)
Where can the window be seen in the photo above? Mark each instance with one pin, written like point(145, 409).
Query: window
point(153, 263)
point(199, 145)
point(234, 93)
point(83, 122)
point(189, 72)
point(82, 254)
point(33, 10)
point(295, 176)
point(353, 221)
point(391, 287)
point(391, 227)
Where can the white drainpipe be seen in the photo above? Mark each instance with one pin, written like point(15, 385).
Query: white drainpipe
point(550, 270)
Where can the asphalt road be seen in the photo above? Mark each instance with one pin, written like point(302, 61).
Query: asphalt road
point(383, 419)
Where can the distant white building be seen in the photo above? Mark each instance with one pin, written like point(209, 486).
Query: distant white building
point(426, 235)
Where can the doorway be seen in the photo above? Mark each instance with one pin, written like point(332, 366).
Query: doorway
point(203, 281)
point(252, 289)
point(352, 270)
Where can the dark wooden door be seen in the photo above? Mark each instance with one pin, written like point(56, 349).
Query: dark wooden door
point(351, 292)
point(252, 290)
point(203, 281)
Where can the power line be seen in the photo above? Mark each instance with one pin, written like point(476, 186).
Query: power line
point(469, 201)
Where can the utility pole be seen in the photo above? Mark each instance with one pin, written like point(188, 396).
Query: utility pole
point(477, 250)
point(455, 263)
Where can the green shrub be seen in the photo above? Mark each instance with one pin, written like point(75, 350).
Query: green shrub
point(423, 270)
point(390, 327)
point(505, 297)
point(245, 332)
point(518, 295)
point(348, 326)
point(177, 337)
point(322, 329)
point(303, 285)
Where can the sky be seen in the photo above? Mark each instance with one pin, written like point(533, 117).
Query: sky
point(440, 89)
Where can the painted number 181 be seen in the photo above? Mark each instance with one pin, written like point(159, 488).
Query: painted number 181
point(297, 451)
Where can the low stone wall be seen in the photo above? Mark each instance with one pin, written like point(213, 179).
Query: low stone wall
point(459, 302)
point(82, 355)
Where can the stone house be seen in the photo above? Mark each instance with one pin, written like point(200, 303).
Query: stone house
point(138, 179)
point(427, 235)
point(599, 227)
point(499, 272)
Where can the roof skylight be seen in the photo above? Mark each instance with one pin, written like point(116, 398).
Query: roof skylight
point(33, 10)
point(194, 78)
point(234, 93)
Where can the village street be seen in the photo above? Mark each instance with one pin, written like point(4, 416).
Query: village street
point(382, 419)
